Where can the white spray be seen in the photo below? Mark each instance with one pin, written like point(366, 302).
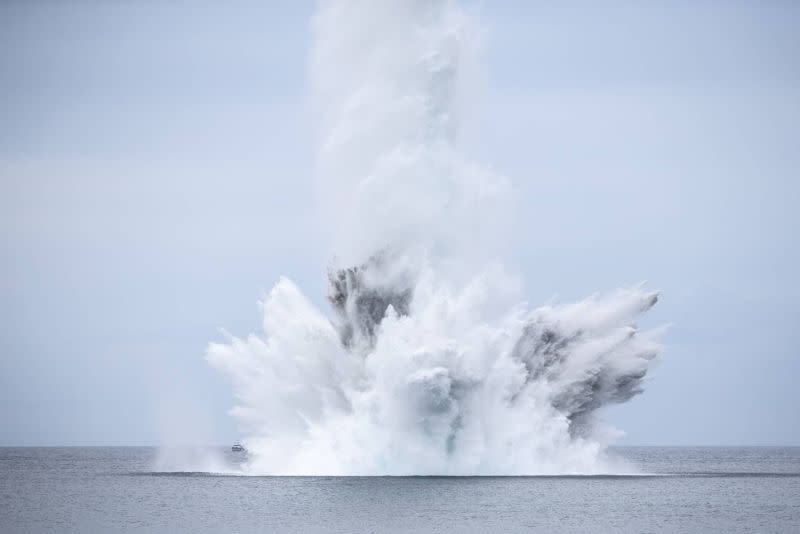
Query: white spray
point(430, 363)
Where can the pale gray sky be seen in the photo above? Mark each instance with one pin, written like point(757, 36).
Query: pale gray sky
point(155, 180)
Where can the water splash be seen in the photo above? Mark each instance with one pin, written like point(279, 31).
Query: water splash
point(431, 363)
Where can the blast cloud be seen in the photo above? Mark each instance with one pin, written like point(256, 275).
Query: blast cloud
point(430, 363)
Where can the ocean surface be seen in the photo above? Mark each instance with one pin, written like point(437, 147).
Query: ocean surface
point(127, 489)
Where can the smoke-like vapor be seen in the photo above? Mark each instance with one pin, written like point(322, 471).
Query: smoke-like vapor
point(430, 363)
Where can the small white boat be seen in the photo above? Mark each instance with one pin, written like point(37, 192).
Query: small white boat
point(238, 447)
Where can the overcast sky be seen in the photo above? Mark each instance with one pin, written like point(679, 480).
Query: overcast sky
point(155, 181)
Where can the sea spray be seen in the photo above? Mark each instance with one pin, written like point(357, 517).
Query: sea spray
point(429, 362)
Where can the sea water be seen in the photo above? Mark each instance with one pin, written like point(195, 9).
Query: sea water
point(126, 489)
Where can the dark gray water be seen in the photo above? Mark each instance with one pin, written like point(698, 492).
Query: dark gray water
point(111, 489)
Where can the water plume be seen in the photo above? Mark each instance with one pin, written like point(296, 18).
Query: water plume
point(430, 361)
